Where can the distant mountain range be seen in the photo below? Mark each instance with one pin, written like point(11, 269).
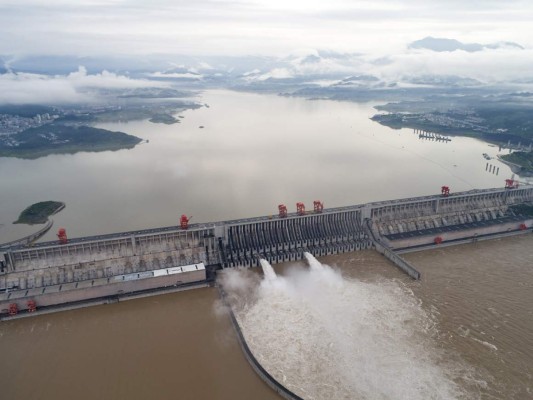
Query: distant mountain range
point(317, 71)
point(443, 44)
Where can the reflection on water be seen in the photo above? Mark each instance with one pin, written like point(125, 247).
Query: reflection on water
point(255, 152)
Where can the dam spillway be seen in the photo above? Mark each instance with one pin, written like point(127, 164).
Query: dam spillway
point(389, 226)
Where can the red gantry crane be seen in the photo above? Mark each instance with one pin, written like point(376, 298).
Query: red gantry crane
point(282, 208)
point(184, 221)
point(318, 205)
point(445, 191)
point(32, 306)
point(13, 309)
point(62, 236)
point(513, 183)
point(300, 208)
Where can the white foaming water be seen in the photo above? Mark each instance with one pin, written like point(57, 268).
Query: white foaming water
point(269, 272)
point(326, 337)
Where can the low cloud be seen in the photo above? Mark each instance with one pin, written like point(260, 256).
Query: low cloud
point(106, 80)
point(489, 66)
point(76, 87)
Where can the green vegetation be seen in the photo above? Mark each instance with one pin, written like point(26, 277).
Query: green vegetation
point(524, 159)
point(26, 110)
point(164, 119)
point(60, 138)
point(500, 119)
point(38, 213)
point(144, 111)
point(417, 121)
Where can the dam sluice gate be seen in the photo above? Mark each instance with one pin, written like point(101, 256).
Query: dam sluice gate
point(119, 263)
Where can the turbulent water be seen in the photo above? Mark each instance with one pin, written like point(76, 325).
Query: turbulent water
point(362, 334)
point(328, 337)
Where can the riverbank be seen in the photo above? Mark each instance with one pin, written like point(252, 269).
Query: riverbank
point(56, 138)
point(520, 162)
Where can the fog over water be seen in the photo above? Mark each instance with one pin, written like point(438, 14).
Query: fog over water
point(254, 152)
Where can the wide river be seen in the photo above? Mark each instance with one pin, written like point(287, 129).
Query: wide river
point(462, 332)
point(469, 320)
point(253, 153)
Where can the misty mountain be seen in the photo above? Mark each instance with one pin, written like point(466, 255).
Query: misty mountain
point(3, 68)
point(443, 81)
point(443, 44)
point(136, 65)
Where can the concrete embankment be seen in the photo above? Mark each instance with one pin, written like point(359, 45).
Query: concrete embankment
point(471, 239)
point(107, 300)
point(257, 367)
point(398, 261)
point(104, 289)
point(390, 255)
point(30, 238)
point(464, 235)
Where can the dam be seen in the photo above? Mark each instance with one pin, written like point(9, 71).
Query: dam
point(178, 257)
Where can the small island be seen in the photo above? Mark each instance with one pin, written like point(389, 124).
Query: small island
point(164, 119)
point(38, 213)
point(56, 138)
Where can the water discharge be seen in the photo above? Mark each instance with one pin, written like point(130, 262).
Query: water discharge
point(268, 271)
point(328, 337)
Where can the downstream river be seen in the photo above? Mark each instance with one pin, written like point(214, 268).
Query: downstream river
point(468, 322)
point(253, 153)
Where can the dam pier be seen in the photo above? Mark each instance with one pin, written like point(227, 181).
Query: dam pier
point(118, 265)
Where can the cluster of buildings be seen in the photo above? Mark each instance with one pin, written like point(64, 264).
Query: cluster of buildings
point(11, 124)
point(462, 120)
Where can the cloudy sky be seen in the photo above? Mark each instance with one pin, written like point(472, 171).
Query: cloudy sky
point(238, 27)
point(375, 33)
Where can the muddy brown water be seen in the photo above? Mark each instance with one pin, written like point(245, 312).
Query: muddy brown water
point(165, 347)
point(481, 296)
point(178, 347)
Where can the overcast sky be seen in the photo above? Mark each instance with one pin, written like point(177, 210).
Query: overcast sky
point(273, 27)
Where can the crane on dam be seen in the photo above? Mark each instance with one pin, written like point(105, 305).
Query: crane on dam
point(318, 206)
point(62, 236)
point(513, 183)
point(184, 222)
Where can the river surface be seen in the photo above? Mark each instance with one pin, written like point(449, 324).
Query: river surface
point(165, 347)
point(364, 330)
point(253, 153)
point(472, 312)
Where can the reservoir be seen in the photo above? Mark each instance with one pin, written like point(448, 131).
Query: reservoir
point(254, 152)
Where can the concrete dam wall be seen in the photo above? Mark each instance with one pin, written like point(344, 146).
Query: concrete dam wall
point(286, 239)
point(389, 225)
point(402, 224)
